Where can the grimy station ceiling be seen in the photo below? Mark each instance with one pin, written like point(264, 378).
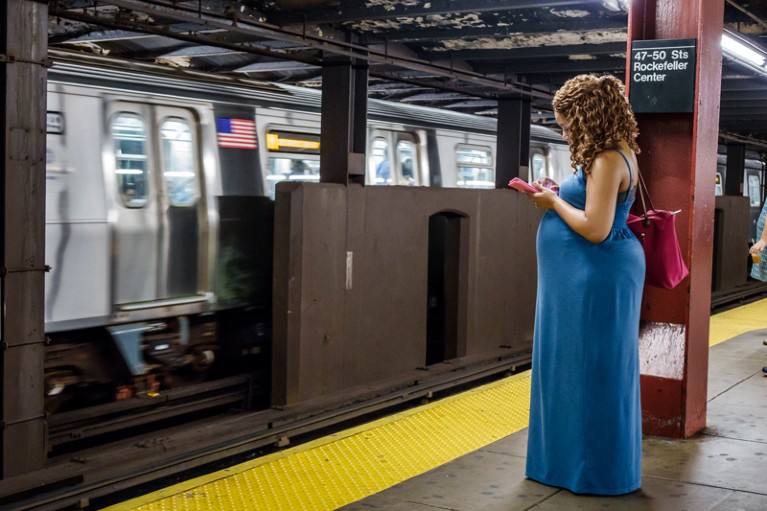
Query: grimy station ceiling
point(453, 54)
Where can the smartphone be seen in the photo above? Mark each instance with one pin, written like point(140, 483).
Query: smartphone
point(522, 186)
point(550, 184)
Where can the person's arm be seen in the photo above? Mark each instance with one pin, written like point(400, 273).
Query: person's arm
point(596, 220)
point(757, 247)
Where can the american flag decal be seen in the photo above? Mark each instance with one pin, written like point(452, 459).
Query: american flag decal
point(236, 133)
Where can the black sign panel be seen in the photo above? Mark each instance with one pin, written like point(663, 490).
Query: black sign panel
point(662, 75)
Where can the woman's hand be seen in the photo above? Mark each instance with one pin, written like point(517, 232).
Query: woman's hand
point(545, 198)
point(547, 182)
point(756, 248)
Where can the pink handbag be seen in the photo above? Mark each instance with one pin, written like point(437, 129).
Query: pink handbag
point(656, 230)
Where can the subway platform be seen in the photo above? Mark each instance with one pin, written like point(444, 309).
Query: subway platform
point(467, 453)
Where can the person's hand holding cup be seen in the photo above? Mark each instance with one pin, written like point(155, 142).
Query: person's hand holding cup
point(756, 251)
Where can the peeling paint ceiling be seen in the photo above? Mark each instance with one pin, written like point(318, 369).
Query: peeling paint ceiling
point(427, 52)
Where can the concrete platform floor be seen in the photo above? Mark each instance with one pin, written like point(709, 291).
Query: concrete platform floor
point(722, 469)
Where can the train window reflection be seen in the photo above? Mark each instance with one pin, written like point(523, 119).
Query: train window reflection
point(378, 162)
point(406, 159)
point(538, 166)
point(179, 168)
point(129, 136)
point(475, 167)
point(291, 169)
point(754, 188)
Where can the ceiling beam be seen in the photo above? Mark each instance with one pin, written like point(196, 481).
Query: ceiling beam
point(123, 23)
point(740, 96)
point(251, 26)
point(535, 52)
point(354, 10)
point(100, 36)
point(747, 13)
point(498, 31)
point(274, 67)
point(743, 84)
point(523, 67)
point(434, 96)
point(476, 103)
point(744, 127)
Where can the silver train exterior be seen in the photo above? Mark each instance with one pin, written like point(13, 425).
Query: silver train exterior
point(159, 219)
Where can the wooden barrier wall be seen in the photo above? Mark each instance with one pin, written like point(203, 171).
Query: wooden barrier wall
point(351, 282)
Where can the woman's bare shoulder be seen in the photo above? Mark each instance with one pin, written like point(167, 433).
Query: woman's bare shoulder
point(607, 161)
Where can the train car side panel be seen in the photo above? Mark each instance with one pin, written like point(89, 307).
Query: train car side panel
point(77, 241)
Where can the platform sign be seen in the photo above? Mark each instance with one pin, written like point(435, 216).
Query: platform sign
point(662, 75)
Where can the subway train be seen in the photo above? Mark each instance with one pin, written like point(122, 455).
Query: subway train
point(753, 185)
point(159, 216)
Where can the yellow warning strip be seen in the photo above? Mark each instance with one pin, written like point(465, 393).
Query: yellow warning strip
point(336, 470)
point(734, 322)
point(339, 469)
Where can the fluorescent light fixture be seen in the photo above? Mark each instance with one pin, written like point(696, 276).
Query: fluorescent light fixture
point(744, 52)
point(616, 5)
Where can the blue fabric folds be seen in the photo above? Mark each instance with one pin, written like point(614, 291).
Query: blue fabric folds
point(585, 430)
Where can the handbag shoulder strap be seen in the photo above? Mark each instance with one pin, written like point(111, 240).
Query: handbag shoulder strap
point(642, 191)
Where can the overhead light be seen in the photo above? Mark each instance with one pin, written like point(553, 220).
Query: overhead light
point(616, 5)
point(744, 52)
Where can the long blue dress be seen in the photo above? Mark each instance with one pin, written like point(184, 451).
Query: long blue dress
point(585, 430)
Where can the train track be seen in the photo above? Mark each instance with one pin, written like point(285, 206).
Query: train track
point(82, 470)
point(752, 291)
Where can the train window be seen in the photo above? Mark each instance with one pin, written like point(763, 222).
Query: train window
point(475, 167)
point(406, 159)
point(754, 191)
point(378, 162)
point(129, 135)
point(179, 166)
point(537, 166)
point(291, 169)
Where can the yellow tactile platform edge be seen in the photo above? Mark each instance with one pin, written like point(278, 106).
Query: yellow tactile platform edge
point(734, 322)
point(343, 468)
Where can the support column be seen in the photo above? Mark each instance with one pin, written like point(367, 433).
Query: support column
point(513, 147)
point(23, 49)
point(736, 163)
point(678, 161)
point(344, 122)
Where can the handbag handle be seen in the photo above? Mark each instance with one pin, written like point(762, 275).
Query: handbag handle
point(642, 194)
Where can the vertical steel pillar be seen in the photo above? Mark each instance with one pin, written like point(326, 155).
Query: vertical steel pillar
point(736, 163)
point(513, 147)
point(678, 161)
point(344, 122)
point(23, 60)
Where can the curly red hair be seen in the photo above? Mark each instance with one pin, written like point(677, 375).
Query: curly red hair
point(600, 117)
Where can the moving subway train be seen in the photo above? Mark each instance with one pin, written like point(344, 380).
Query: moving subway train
point(160, 216)
point(159, 219)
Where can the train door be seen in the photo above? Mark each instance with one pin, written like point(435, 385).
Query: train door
point(154, 176)
point(393, 159)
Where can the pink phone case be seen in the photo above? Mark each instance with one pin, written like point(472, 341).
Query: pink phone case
point(522, 186)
